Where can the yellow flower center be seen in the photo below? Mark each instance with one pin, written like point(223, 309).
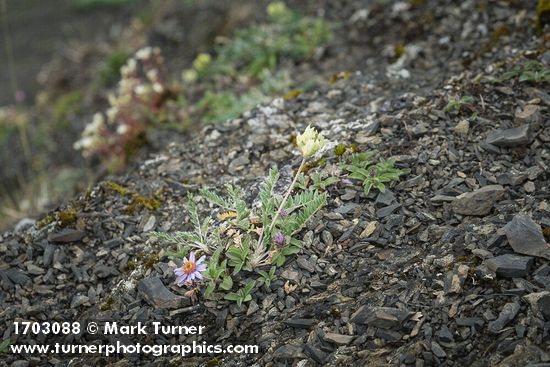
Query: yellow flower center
point(188, 267)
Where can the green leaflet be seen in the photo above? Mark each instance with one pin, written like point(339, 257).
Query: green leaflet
point(266, 277)
point(243, 295)
point(362, 167)
point(296, 222)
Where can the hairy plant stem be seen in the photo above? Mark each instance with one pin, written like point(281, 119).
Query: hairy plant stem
point(281, 206)
point(287, 194)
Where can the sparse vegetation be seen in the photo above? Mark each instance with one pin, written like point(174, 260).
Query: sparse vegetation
point(66, 106)
point(250, 60)
point(245, 241)
point(5, 345)
point(456, 105)
point(531, 71)
point(259, 47)
point(109, 71)
point(316, 181)
point(250, 238)
point(144, 99)
point(374, 174)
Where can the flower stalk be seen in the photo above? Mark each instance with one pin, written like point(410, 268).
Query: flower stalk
point(287, 194)
point(309, 142)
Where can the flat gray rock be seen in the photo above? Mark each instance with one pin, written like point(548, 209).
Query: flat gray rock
point(66, 235)
point(508, 313)
point(371, 128)
point(510, 265)
point(382, 317)
point(47, 256)
point(387, 210)
point(510, 137)
point(157, 295)
point(17, 276)
point(305, 264)
point(291, 275)
point(445, 335)
point(438, 351)
point(525, 236)
point(318, 355)
point(544, 306)
point(418, 130)
point(300, 323)
point(540, 302)
point(512, 179)
point(478, 202)
point(289, 351)
point(339, 339)
point(442, 198)
point(384, 198)
point(529, 115)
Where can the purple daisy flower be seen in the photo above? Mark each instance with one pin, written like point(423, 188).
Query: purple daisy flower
point(279, 239)
point(372, 173)
point(190, 270)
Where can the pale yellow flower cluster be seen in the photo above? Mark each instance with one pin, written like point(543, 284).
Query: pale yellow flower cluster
point(91, 136)
point(277, 9)
point(202, 61)
point(310, 141)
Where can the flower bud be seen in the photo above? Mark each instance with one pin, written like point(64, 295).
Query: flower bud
point(279, 239)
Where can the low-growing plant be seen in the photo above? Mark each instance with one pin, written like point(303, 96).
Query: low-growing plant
point(455, 105)
point(224, 105)
point(531, 71)
point(246, 239)
point(144, 98)
point(109, 71)
point(202, 237)
point(248, 62)
point(5, 345)
point(261, 46)
point(66, 106)
point(267, 277)
point(242, 295)
point(14, 119)
point(374, 174)
point(316, 181)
